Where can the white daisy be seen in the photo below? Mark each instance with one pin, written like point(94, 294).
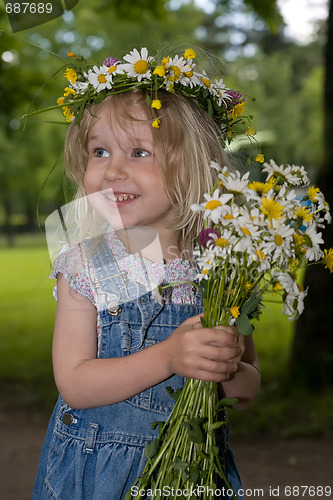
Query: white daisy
point(220, 91)
point(280, 242)
point(177, 68)
point(138, 64)
point(294, 304)
point(234, 183)
point(312, 240)
point(261, 255)
point(301, 175)
point(214, 205)
point(100, 78)
point(285, 173)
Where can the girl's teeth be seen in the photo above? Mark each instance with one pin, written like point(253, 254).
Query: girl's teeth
point(121, 197)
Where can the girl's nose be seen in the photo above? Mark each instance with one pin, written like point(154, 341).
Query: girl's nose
point(116, 170)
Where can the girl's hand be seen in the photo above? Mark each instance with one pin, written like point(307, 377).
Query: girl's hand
point(210, 354)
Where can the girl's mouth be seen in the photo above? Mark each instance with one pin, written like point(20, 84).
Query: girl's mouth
point(121, 197)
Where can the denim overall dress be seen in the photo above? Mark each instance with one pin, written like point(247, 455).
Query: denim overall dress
point(97, 453)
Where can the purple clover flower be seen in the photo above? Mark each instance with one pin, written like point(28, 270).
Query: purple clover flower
point(236, 97)
point(110, 61)
point(205, 237)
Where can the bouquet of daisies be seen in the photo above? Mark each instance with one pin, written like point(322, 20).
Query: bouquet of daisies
point(257, 236)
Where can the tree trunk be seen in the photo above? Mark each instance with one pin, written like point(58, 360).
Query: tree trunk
point(312, 353)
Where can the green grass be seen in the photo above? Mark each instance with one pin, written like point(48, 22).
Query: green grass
point(27, 311)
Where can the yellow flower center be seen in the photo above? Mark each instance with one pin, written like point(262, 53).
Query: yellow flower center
point(260, 254)
point(176, 73)
point(229, 217)
point(206, 82)
point(141, 67)
point(101, 78)
point(212, 204)
point(222, 242)
point(112, 68)
point(278, 240)
point(189, 74)
point(246, 231)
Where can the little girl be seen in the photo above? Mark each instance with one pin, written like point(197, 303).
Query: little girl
point(116, 347)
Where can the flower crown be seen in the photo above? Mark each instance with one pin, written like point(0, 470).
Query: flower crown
point(139, 70)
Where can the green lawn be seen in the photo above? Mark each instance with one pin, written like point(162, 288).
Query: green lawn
point(27, 314)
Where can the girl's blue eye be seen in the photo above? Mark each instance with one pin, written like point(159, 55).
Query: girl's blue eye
point(140, 153)
point(101, 153)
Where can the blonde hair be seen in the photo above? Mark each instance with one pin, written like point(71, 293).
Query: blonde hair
point(186, 143)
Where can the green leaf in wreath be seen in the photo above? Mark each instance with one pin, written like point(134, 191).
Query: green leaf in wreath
point(244, 325)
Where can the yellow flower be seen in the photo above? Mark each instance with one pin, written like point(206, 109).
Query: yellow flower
point(251, 131)
point(235, 311)
point(303, 214)
point(312, 193)
point(189, 54)
point(248, 286)
point(260, 158)
point(277, 287)
point(71, 54)
point(206, 82)
point(112, 69)
point(67, 113)
point(260, 187)
point(328, 259)
point(60, 101)
point(156, 123)
point(159, 70)
point(293, 265)
point(237, 110)
point(271, 208)
point(165, 61)
point(156, 104)
point(71, 75)
point(68, 91)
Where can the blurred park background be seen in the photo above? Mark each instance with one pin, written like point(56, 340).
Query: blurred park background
point(286, 78)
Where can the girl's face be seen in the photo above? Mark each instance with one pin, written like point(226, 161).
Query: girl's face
point(123, 166)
